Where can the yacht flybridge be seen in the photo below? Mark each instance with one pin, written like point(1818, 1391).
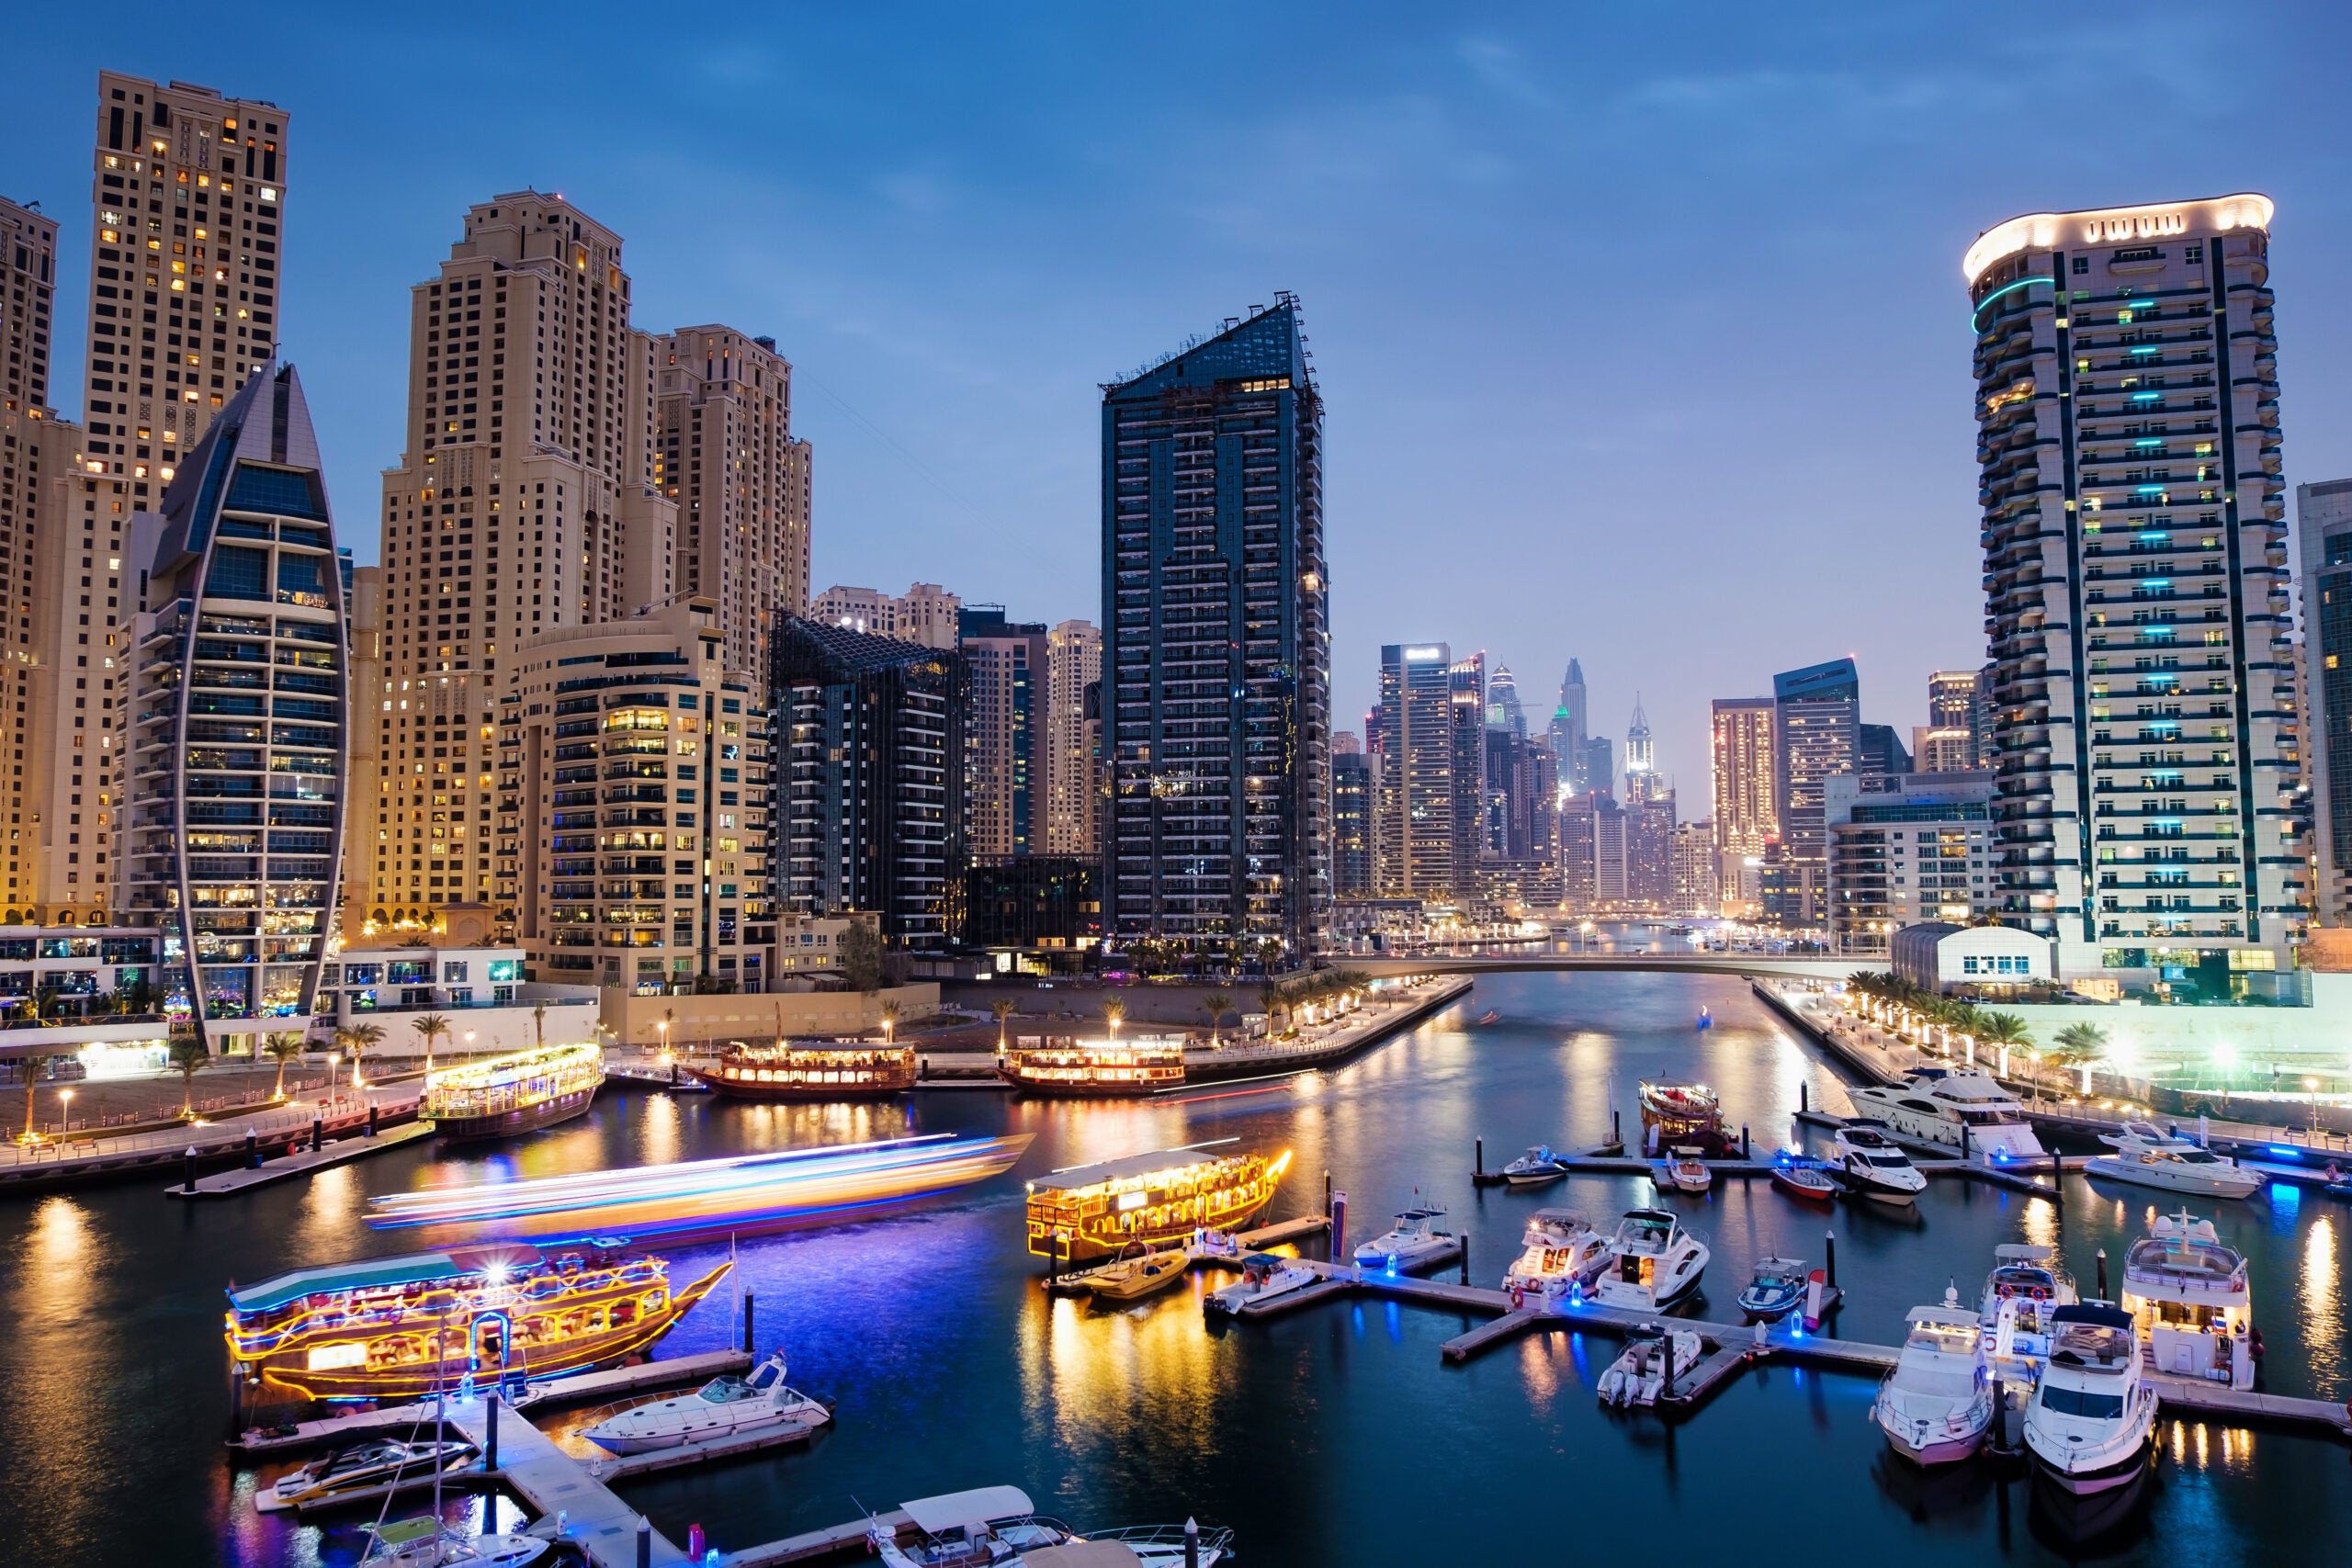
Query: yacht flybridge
point(2189, 1296)
point(1936, 1105)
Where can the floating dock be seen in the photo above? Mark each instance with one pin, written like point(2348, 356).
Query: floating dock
point(550, 1481)
point(286, 1166)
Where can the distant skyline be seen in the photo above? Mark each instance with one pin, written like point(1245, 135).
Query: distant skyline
point(1644, 339)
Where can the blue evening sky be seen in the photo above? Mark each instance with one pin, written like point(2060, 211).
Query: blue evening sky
point(1641, 327)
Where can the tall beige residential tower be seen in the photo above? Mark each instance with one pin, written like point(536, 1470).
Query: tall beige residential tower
point(725, 457)
point(527, 502)
point(1746, 812)
point(1073, 772)
point(2136, 593)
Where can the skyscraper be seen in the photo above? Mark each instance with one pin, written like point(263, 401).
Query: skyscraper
point(1466, 722)
point(1817, 731)
point(1503, 710)
point(2324, 526)
point(1073, 784)
point(1567, 730)
point(1880, 751)
point(1642, 781)
point(524, 500)
point(1010, 664)
point(1218, 651)
point(234, 845)
point(725, 457)
point(1417, 758)
point(2135, 569)
point(1352, 795)
point(1746, 794)
point(926, 612)
point(1957, 700)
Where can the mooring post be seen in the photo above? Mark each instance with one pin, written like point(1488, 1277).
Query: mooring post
point(1338, 1227)
point(1829, 1259)
point(2102, 1274)
point(2000, 1416)
point(1964, 1151)
point(1478, 1161)
point(644, 1542)
point(318, 1133)
point(1617, 1127)
point(490, 1441)
point(1191, 1543)
point(253, 1150)
point(1803, 1099)
point(371, 1118)
point(1465, 1257)
point(1743, 1142)
point(748, 1298)
point(1327, 1194)
point(188, 1184)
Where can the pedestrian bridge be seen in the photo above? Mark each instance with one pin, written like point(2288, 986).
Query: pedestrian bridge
point(1505, 961)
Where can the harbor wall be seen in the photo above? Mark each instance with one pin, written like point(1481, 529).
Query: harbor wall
point(708, 1022)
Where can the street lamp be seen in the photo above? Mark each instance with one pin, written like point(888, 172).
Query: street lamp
point(64, 1100)
point(335, 1061)
point(663, 1025)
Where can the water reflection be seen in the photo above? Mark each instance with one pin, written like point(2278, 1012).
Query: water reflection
point(2322, 1301)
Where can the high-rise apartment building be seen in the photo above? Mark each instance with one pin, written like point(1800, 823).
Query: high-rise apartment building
point(1073, 771)
point(1905, 849)
point(926, 614)
point(27, 289)
point(240, 680)
point(1649, 851)
point(1568, 729)
point(1693, 878)
point(1353, 792)
point(1217, 644)
point(871, 795)
point(2323, 528)
point(1011, 666)
point(1417, 765)
point(639, 763)
point(1597, 839)
point(1816, 732)
point(1466, 723)
point(725, 457)
point(1642, 781)
point(1503, 709)
point(1958, 699)
point(2135, 563)
point(1942, 750)
point(525, 503)
point(1880, 750)
point(1746, 811)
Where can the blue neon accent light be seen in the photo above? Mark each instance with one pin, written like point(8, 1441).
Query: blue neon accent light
point(2005, 289)
point(2145, 396)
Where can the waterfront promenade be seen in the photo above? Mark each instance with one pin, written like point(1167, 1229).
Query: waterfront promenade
point(86, 1157)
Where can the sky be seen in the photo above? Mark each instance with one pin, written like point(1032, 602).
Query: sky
point(1641, 329)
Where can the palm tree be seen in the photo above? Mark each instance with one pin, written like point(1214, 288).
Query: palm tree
point(357, 1039)
point(2003, 1029)
point(1004, 1008)
point(190, 1054)
point(1271, 997)
point(1217, 1004)
point(2077, 1045)
point(429, 1027)
point(31, 1067)
point(285, 1044)
point(1115, 1014)
point(539, 1024)
point(889, 1021)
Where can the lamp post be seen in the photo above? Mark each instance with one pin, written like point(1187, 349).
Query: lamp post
point(64, 1100)
point(334, 1062)
point(663, 1026)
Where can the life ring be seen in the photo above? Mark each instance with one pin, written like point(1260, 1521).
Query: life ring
point(2040, 1293)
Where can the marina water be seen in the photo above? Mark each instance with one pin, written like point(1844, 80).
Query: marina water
point(1333, 1436)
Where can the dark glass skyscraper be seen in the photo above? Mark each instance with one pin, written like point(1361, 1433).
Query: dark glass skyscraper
point(1217, 644)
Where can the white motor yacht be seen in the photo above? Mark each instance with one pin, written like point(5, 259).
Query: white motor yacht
point(429, 1543)
point(2020, 1293)
point(1936, 1404)
point(996, 1526)
point(1414, 1242)
point(1537, 1165)
point(1653, 1359)
point(1653, 1262)
point(2189, 1296)
point(1263, 1276)
point(363, 1467)
point(1874, 1167)
point(720, 1408)
point(1684, 1172)
point(1564, 1253)
point(2150, 1157)
point(1933, 1105)
point(2092, 1419)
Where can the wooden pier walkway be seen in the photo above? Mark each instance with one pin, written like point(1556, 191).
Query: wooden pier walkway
point(286, 1166)
point(550, 1481)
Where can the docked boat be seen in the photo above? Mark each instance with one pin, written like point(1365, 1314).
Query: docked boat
point(1653, 1262)
point(2149, 1158)
point(2091, 1422)
point(1096, 1069)
point(811, 1070)
point(363, 1469)
point(1676, 1113)
point(1805, 1178)
point(1263, 1277)
point(1685, 1172)
point(1533, 1168)
point(429, 1543)
point(403, 1327)
point(1093, 1212)
point(996, 1527)
point(1936, 1404)
point(1874, 1167)
point(1562, 1252)
point(1139, 1271)
point(1413, 1242)
point(1776, 1289)
point(1653, 1359)
point(2189, 1294)
point(2015, 1312)
point(503, 1096)
point(1942, 1105)
point(723, 1407)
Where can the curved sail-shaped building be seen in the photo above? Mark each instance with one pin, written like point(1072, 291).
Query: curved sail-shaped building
point(240, 680)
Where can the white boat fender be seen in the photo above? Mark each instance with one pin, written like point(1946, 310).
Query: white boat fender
point(1813, 1300)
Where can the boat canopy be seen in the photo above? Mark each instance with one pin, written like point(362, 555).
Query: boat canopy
point(2093, 1313)
point(372, 1274)
point(1168, 1160)
point(954, 1510)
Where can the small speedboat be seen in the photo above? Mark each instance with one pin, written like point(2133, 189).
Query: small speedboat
point(1806, 1180)
point(1936, 1404)
point(1563, 1253)
point(1263, 1277)
point(1537, 1165)
point(1414, 1242)
point(720, 1408)
point(1653, 1359)
point(2149, 1158)
point(1653, 1262)
point(1685, 1172)
point(362, 1468)
point(1876, 1168)
point(1138, 1272)
point(1775, 1291)
point(429, 1543)
point(998, 1526)
point(1490, 1016)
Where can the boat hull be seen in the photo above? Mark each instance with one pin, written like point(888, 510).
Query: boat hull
point(1533, 1178)
point(1942, 1450)
point(1136, 1286)
point(1063, 1088)
point(655, 1443)
point(2167, 1182)
point(1824, 1193)
point(1420, 1255)
point(739, 1088)
point(2105, 1477)
point(548, 1112)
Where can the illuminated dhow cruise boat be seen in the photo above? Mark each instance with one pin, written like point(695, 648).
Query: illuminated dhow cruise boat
point(501, 1096)
point(1096, 1069)
point(1090, 1212)
point(803, 1070)
point(403, 1328)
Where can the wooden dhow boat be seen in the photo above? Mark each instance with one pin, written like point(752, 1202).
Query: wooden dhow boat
point(499, 1097)
point(811, 1070)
